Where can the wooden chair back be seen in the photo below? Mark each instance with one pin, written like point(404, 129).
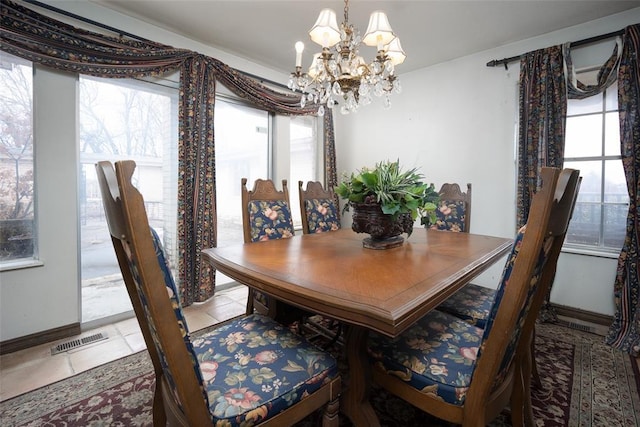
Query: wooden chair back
point(454, 208)
point(566, 194)
point(265, 202)
point(182, 394)
point(510, 324)
point(266, 215)
point(318, 208)
point(144, 277)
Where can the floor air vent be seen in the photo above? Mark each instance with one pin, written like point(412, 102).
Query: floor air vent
point(70, 345)
point(577, 326)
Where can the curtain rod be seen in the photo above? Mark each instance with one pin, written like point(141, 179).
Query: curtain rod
point(505, 61)
point(133, 36)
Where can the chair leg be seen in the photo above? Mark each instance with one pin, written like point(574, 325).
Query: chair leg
point(336, 336)
point(528, 365)
point(250, 302)
point(517, 396)
point(330, 416)
point(534, 364)
point(159, 416)
point(521, 407)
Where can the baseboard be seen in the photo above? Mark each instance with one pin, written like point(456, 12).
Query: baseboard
point(585, 316)
point(27, 341)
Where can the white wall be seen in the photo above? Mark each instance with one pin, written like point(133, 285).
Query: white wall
point(457, 122)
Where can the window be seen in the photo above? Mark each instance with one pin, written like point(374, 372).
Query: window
point(246, 143)
point(17, 208)
point(304, 148)
point(124, 119)
point(243, 150)
point(593, 147)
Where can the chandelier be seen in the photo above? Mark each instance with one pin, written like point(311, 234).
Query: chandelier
point(338, 74)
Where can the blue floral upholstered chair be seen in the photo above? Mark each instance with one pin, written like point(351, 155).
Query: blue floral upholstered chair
point(266, 215)
point(319, 213)
point(454, 209)
point(247, 371)
point(473, 303)
point(318, 208)
point(467, 375)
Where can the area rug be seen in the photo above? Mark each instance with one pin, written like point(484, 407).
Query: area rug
point(584, 383)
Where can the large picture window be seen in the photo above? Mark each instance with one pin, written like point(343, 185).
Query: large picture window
point(17, 200)
point(133, 120)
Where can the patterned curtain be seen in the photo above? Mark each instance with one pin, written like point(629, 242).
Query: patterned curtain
point(330, 169)
point(624, 333)
point(543, 107)
point(49, 42)
point(543, 110)
point(607, 74)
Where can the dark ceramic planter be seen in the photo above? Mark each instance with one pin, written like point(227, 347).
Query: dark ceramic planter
point(384, 231)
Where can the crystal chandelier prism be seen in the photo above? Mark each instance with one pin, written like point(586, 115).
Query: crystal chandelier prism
point(338, 74)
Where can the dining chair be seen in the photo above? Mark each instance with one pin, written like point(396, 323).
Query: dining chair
point(467, 375)
point(266, 215)
point(246, 371)
point(318, 208)
point(454, 208)
point(473, 302)
point(319, 214)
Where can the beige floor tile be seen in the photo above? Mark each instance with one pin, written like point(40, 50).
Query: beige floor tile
point(99, 353)
point(33, 374)
point(129, 326)
point(226, 311)
point(238, 293)
point(17, 358)
point(198, 319)
point(136, 342)
point(221, 299)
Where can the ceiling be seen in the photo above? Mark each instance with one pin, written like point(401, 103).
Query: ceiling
point(430, 31)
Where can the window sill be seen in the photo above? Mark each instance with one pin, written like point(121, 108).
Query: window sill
point(20, 264)
point(590, 252)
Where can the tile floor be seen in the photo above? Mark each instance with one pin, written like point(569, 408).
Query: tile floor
point(35, 367)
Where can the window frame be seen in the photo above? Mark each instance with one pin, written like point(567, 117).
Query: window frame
point(600, 249)
point(32, 260)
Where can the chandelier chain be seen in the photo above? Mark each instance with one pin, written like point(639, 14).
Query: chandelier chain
point(346, 11)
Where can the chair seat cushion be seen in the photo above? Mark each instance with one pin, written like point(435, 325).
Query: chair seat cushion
point(254, 368)
point(472, 303)
point(437, 355)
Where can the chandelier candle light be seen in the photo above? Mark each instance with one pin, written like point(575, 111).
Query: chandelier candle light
point(339, 72)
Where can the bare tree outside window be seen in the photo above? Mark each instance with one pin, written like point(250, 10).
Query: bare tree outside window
point(123, 119)
point(17, 232)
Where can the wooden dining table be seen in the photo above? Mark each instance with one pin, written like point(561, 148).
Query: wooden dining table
point(384, 291)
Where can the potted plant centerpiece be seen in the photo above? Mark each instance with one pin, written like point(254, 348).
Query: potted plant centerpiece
point(386, 201)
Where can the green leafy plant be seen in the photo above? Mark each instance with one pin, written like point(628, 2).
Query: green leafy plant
point(396, 191)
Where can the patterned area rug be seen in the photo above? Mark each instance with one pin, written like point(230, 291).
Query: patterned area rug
point(585, 383)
